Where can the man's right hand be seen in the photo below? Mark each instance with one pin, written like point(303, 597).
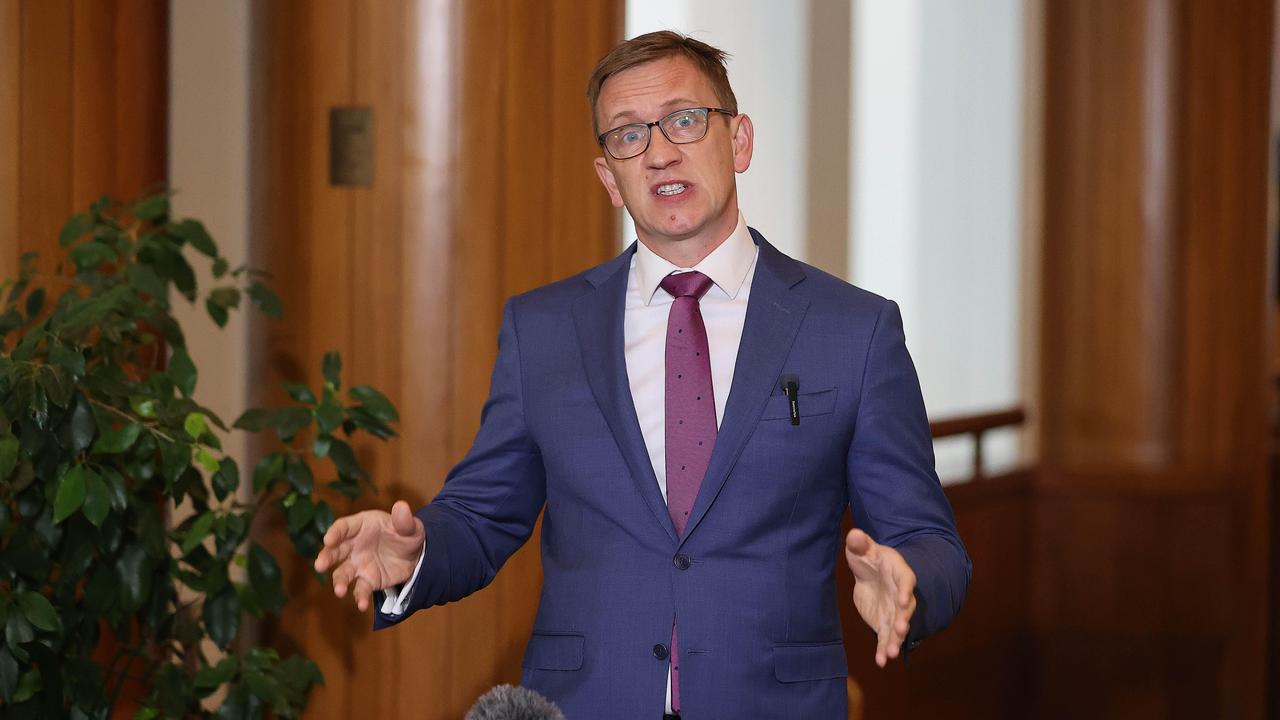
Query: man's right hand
point(372, 549)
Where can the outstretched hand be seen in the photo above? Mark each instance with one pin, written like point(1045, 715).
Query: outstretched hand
point(373, 549)
point(883, 591)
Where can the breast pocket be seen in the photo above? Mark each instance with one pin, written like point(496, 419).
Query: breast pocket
point(810, 404)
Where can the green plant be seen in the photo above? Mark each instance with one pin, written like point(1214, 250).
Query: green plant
point(100, 447)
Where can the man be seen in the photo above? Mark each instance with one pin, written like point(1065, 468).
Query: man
point(695, 416)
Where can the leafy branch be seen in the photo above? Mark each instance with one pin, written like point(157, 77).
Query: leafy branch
point(101, 442)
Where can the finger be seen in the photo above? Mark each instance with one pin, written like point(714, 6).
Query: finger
point(363, 592)
point(882, 648)
point(903, 623)
point(857, 543)
point(342, 578)
point(341, 529)
point(402, 519)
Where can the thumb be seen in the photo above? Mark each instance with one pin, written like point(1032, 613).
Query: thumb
point(857, 543)
point(402, 520)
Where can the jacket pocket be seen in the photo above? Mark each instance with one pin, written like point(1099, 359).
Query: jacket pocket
point(821, 402)
point(554, 651)
point(797, 662)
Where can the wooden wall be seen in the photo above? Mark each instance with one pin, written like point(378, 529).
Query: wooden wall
point(1150, 525)
point(83, 111)
point(482, 188)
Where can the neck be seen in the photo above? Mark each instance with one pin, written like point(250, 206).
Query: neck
point(688, 252)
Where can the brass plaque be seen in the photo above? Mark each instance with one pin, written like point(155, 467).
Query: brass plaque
point(351, 146)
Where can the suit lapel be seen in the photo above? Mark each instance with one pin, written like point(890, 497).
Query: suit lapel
point(598, 317)
point(773, 318)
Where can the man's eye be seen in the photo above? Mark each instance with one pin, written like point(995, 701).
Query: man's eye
point(631, 136)
point(684, 121)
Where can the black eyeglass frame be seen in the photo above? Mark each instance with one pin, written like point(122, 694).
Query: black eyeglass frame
point(648, 127)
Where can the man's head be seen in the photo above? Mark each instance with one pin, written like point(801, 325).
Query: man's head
point(675, 191)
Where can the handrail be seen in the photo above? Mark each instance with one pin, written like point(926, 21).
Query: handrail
point(976, 425)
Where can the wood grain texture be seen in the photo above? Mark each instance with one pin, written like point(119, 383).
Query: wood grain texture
point(1154, 387)
point(83, 113)
point(482, 189)
point(10, 134)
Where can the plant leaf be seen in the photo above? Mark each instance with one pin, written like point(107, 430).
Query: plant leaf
point(375, 402)
point(92, 254)
point(68, 359)
point(214, 676)
point(97, 500)
point(183, 372)
point(300, 392)
point(35, 302)
point(152, 208)
point(75, 228)
point(195, 425)
point(217, 312)
point(38, 611)
point(194, 233)
point(8, 455)
point(266, 300)
point(331, 367)
point(117, 441)
point(70, 494)
point(227, 479)
point(198, 532)
point(222, 615)
point(206, 460)
point(143, 406)
point(8, 675)
point(264, 578)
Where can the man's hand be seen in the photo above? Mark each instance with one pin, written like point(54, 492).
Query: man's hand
point(883, 591)
point(374, 549)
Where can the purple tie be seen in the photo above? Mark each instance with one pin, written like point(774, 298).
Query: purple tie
point(690, 413)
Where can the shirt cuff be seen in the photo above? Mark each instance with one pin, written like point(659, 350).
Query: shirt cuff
point(396, 597)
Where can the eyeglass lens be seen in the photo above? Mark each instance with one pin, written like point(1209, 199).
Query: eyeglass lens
point(682, 126)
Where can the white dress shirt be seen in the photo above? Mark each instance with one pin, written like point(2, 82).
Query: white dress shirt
point(731, 267)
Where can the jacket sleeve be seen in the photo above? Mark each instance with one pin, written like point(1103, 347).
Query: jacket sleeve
point(894, 492)
point(490, 501)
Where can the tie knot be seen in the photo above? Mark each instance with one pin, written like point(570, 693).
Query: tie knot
point(691, 284)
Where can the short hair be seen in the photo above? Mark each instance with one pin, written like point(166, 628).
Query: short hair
point(656, 46)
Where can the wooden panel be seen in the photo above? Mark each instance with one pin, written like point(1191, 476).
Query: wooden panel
point(980, 667)
point(82, 112)
point(1152, 526)
point(10, 114)
point(45, 147)
point(407, 278)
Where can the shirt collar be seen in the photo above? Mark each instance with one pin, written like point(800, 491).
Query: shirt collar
point(727, 265)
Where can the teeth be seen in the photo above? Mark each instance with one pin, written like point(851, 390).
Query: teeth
point(671, 189)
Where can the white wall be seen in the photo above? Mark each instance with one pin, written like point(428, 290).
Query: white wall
point(936, 196)
point(209, 168)
point(935, 185)
point(767, 41)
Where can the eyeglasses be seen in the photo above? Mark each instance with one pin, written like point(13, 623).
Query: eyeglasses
point(680, 127)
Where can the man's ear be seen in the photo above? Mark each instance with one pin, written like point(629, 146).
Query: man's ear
point(607, 179)
point(743, 138)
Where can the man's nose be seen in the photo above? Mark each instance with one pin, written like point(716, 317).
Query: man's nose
point(661, 152)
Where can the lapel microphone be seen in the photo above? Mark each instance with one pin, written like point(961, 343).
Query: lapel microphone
point(791, 386)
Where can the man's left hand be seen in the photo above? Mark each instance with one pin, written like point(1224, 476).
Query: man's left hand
point(883, 591)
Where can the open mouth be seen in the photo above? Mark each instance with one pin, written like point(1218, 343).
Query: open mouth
point(671, 189)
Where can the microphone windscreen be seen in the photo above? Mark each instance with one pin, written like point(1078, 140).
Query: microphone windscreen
point(506, 702)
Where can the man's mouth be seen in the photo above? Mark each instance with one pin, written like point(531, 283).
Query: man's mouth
point(671, 189)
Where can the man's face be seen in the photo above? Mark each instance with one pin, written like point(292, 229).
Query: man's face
point(698, 198)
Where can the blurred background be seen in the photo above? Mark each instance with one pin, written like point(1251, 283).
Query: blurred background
point(1073, 201)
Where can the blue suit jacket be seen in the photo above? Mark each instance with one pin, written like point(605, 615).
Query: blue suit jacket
point(751, 582)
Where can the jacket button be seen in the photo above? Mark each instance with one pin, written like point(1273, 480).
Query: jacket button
point(682, 562)
point(660, 651)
